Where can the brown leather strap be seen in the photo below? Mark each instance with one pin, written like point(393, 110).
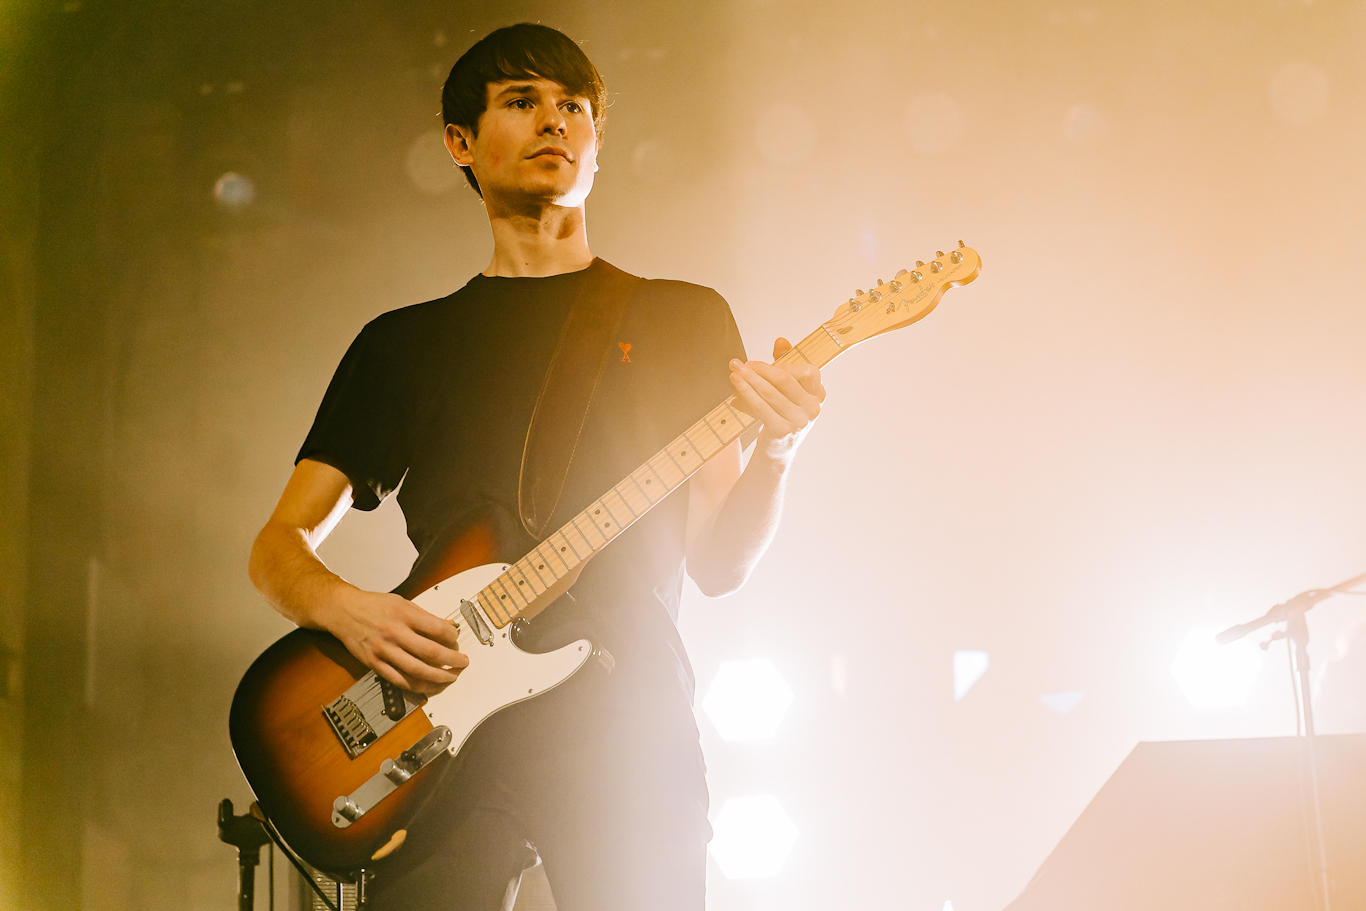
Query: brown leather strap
point(572, 378)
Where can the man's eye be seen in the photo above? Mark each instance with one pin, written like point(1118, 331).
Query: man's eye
point(521, 103)
point(574, 107)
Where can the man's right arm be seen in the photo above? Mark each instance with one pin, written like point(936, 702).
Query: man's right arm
point(392, 636)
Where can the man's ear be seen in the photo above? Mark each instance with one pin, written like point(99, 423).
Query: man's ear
point(458, 144)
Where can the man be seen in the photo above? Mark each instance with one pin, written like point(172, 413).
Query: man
point(602, 776)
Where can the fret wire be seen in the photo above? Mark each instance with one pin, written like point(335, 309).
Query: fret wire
point(649, 465)
point(537, 570)
point(489, 606)
point(569, 542)
point(554, 555)
point(577, 553)
point(509, 594)
point(517, 595)
point(550, 561)
point(617, 490)
point(714, 433)
point(510, 606)
point(815, 343)
point(606, 527)
point(718, 414)
point(665, 450)
point(826, 344)
point(668, 488)
point(695, 448)
point(641, 489)
point(587, 540)
point(602, 502)
point(739, 417)
point(583, 534)
point(527, 579)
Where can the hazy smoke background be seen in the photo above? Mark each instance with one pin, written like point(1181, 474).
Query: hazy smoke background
point(1145, 416)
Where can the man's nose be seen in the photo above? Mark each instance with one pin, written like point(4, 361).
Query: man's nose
point(553, 122)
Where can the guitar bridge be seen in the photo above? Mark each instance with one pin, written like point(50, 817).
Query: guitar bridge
point(350, 726)
point(366, 712)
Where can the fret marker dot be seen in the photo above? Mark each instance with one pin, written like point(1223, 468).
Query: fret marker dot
point(606, 524)
point(597, 512)
point(542, 566)
point(683, 453)
point(647, 482)
point(521, 583)
point(503, 597)
point(564, 550)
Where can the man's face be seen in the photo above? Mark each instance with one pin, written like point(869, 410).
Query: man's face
point(536, 144)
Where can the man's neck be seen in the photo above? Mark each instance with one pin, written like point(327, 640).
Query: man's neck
point(534, 244)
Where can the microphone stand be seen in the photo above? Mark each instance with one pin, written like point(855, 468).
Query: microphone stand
point(1292, 613)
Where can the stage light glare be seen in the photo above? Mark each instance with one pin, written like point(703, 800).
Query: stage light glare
point(968, 667)
point(1216, 676)
point(752, 837)
point(747, 699)
point(1062, 703)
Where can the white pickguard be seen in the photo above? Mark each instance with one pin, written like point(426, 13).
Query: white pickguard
point(500, 673)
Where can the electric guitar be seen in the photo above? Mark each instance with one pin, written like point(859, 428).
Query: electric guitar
point(338, 757)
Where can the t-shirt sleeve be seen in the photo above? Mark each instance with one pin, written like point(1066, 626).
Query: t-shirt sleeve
point(716, 341)
point(732, 344)
point(358, 429)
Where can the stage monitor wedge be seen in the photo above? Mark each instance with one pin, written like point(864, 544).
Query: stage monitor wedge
point(1214, 825)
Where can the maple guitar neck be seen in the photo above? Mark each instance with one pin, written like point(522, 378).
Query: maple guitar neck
point(906, 299)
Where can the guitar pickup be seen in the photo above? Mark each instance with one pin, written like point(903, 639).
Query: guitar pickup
point(394, 706)
point(475, 619)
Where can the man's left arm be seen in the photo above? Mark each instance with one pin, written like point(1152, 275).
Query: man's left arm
point(733, 514)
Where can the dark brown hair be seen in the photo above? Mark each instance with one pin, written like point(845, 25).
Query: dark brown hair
point(524, 51)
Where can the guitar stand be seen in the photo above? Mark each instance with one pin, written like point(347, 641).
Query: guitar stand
point(252, 830)
point(247, 834)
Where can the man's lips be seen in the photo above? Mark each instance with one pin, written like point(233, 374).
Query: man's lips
point(551, 150)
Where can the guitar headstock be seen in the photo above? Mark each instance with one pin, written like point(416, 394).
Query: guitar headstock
point(909, 296)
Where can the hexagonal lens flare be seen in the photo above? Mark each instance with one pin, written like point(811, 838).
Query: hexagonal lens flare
point(747, 700)
point(753, 836)
point(1213, 675)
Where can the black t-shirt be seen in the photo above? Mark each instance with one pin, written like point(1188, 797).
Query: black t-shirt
point(438, 396)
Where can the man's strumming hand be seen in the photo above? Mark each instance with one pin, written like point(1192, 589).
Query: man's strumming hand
point(786, 397)
point(396, 639)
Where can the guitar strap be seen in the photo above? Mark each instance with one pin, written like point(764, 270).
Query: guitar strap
point(571, 380)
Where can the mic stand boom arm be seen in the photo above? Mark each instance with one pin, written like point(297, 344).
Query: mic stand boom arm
point(1292, 613)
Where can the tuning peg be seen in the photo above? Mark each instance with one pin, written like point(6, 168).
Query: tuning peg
point(858, 293)
point(879, 283)
point(961, 244)
point(916, 276)
point(936, 266)
point(956, 257)
point(938, 254)
point(918, 264)
point(899, 274)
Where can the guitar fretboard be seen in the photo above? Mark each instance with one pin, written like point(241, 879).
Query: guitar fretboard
point(565, 550)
